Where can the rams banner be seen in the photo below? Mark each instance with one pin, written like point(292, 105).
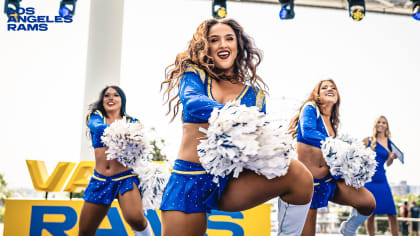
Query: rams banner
point(60, 218)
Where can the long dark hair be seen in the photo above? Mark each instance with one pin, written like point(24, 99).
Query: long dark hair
point(245, 65)
point(99, 104)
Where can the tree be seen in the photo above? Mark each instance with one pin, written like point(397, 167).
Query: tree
point(157, 144)
point(156, 151)
point(4, 193)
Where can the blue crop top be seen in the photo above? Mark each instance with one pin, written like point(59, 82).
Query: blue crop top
point(197, 99)
point(97, 124)
point(311, 128)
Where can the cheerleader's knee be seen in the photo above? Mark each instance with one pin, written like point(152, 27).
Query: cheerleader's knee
point(367, 206)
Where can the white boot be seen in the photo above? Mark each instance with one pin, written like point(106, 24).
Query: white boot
point(291, 218)
point(349, 227)
point(145, 232)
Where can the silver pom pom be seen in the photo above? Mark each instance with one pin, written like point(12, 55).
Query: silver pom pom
point(126, 142)
point(349, 158)
point(241, 137)
point(153, 179)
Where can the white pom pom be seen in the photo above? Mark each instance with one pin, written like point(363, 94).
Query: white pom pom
point(241, 137)
point(349, 158)
point(126, 142)
point(153, 179)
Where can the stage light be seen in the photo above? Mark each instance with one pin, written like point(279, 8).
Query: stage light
point(416, 9)
point(357, 9)
point(287, 9)
point(11, 6)
point(67, 8)
point(219, 9)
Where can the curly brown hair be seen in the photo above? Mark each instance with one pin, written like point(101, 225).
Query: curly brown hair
point(314, 97)
point(246, 62)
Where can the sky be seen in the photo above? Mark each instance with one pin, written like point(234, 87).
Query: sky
point(374, 63)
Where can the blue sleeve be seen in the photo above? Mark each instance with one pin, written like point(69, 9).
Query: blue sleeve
point(134, 120)
point(308, 125)
point(264, 109)
point(194, 99)
point(96, 124)
point(260, 100)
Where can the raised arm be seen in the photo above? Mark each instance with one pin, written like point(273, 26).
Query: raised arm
point(308, 125)
point(194, 99)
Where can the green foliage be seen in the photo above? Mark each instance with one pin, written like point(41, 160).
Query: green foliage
point(4, 192)
point(3, 182)
point(382, 225)
point(77, 195)
point(399, 200)
point(362, 229)
point(156, 151)
point(1, 214)
point(157, 145)
point(342, 216)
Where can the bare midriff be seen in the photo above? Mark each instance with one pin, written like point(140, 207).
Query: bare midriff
point(190, 139)
point(107, 167)
point(313, 159)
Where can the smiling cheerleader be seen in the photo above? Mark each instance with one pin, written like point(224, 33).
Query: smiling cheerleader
point(218, 67)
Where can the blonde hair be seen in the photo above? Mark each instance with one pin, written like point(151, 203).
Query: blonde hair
point(375, 132)
point(315, 98)
point(246, 62)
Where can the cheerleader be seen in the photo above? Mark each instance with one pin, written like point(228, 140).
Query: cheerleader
point(381, 143)
point(318, 119)
point(111, 179)
point(220, 66)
